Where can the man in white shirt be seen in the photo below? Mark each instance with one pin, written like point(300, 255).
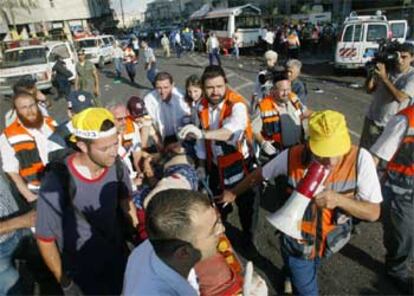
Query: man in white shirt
point(150, 62)
point(352, 189)
point(166, 107)
point(24, 145)
point(183, 228)
point(213, 49)
point(395, 146)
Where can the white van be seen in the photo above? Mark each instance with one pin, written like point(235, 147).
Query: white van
point(358, 40)
point(98, 49)
point(35, 61)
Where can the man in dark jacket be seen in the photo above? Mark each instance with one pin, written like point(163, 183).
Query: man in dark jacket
point(61, 77)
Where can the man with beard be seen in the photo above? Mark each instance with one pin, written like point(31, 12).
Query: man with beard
point(81, 205)
point(224, 143)
point(24, 145)
point(166, 107)
point(281, 113)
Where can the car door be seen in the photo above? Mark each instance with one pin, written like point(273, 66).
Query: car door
point(399, 29)
point(63, 51)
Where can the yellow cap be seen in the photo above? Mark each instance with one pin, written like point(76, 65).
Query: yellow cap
point(87, 124)
point(328, 134)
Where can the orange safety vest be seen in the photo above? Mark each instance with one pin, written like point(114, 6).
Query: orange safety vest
point(292, 41)
point(271, 127)
point(25, 148)
point(128, 134)
point(231, 163)
point(400, 170)
point(324, 231)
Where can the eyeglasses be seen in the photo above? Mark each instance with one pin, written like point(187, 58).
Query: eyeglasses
point(121, 118)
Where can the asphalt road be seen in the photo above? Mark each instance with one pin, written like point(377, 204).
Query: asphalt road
point(359, 267)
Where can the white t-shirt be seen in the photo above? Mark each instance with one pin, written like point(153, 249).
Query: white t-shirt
point(167, 116)
point(389, 141)
point(236, 123)
point(44, 146)
point(368, 185)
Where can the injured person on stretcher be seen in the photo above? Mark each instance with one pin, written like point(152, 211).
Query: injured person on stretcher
point(220, 274)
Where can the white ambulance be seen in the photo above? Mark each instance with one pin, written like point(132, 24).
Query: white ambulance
point(358, 40)
point(35, 60)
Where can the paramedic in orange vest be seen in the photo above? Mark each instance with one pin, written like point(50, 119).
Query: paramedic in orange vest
point(281, 113)
point(24, 145)
point(224, 143)
point(352, 189)
point(396, 146)
point(129, 148)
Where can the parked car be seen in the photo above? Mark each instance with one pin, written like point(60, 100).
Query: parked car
point(98, 49)
point(35, 61)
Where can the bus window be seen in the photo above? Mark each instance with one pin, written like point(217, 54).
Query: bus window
point(216, 24)
point(376, 32)
point(348, 34)
point(247, 22)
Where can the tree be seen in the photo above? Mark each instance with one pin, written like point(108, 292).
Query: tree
point(8, 8)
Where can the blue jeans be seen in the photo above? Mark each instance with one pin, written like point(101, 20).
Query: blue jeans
point(118, 67)
point(151, 73)
point(215, 55)
point(8, 274)
point(303, 273)
point(236, 52)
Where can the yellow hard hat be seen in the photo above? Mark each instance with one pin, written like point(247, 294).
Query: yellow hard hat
point(328, 134)
point(87, 124)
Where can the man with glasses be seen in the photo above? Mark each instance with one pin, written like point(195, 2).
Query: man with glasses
point(129, 140)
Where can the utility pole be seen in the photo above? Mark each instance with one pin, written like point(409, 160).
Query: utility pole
point(123, 13)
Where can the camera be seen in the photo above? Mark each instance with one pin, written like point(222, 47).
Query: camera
point(269, 75)
point(388, 54)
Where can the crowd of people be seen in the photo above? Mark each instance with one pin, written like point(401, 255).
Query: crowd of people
point(133, 197)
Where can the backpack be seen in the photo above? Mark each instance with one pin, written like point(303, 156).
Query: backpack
point(59, 168)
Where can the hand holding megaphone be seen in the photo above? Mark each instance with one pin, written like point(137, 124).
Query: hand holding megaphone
point(289, 218)
point(327, 199)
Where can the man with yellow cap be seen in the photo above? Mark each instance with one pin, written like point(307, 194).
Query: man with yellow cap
point(80, 202)
point(352, 189)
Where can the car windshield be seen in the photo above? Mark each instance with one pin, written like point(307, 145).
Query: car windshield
point(24, 57)
point(86, 43)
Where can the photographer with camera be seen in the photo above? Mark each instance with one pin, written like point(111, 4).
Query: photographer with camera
point(392, 84)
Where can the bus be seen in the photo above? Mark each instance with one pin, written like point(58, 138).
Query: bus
point(224, 22)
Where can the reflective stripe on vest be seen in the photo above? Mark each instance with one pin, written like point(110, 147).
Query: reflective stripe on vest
point(230, 159)
point(324, 231)
point(400, 170)
point(271, 127)
point(25, 148)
